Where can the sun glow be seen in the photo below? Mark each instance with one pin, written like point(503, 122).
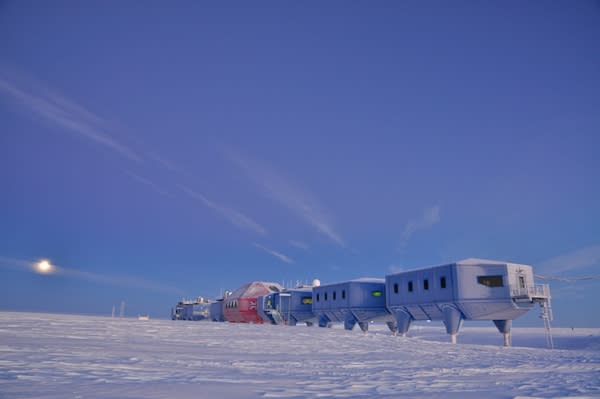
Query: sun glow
point(44, 266)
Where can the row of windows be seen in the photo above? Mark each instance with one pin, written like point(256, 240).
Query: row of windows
point(411, 287)
point(375, 293)
point(488, 281)
point(334, 295)
point(231, 304)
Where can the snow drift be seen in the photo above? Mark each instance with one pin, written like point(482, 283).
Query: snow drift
point(65, 356)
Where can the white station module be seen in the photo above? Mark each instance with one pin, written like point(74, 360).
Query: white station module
point(470, 289)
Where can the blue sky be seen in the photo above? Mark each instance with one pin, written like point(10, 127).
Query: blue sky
point(155, 151)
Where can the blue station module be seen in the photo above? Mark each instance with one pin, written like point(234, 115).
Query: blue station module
point(352, 302)
point(196, 309)
point(216, 310)
point(289, 307)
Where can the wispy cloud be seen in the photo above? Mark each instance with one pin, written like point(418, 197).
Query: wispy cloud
point(234, 217)
point(165, 163)
point(62, 112)
point(148, 183)
point(580, 259)
point(430, 217)
point(276, 254)
point(574, 291)
point(297, 200)
point(126, 281)
point(299, 244)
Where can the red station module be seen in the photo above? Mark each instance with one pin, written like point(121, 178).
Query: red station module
point(241, 306)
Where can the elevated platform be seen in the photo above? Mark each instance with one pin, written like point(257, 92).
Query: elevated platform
point(535, 293)
point(540, 294)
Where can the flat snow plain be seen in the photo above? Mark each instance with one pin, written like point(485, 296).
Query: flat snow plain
point(67, 356)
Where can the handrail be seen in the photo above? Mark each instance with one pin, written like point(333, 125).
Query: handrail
point(537, 291)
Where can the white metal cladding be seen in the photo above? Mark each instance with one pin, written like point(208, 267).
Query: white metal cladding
point(479, 289)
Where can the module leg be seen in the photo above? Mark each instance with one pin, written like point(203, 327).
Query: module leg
point(504, 327)
point(452, 320)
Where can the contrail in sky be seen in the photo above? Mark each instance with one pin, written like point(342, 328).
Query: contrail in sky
point(148, 183)
point(586, 258)
point(430, 217)
point(276, 254)
point(299, 201)
point(234, 217)
point(62, 112)
point(299, 244)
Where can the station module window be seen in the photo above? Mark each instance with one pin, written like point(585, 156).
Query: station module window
point(395, 288)
point(491, 281)
point(426, 284)
point(318, 297)
point(307, 300)
point(334, 295)
point(442, 282)
point(325, 296)
point(343, 294)
point(410, 286)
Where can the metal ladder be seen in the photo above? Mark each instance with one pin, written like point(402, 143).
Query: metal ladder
point(277, 317)
point(547, 317)
point(543, 299)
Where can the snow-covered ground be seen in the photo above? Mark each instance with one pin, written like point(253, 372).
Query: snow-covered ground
point(64, 356)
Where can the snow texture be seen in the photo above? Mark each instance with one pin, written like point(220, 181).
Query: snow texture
point(65, 356)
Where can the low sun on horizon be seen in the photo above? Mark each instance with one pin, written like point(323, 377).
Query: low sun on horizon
point(44, 266)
